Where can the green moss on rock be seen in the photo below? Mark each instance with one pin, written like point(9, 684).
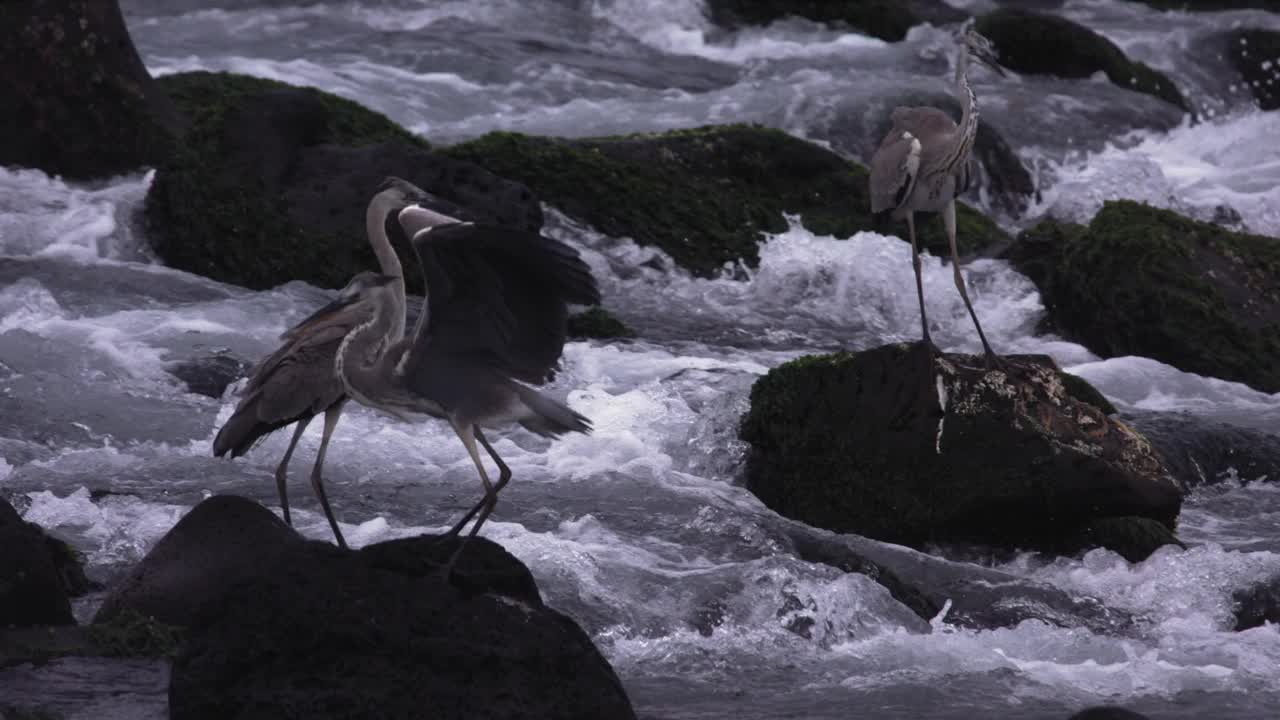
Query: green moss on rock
point(597, 323)
point(702, 195)
point(1030, 42)
point(129, 634)
point(1145, 281)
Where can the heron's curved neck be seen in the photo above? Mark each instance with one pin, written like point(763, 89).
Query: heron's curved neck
point(361, 362)
point(375, 227)
point(962, 143)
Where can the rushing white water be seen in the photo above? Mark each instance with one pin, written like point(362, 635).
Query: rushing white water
point(642, 530)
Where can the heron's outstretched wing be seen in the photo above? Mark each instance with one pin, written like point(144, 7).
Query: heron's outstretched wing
point(497, 299)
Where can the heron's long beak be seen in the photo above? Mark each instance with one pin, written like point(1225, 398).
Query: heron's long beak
point(988, 58)
point(322, 318)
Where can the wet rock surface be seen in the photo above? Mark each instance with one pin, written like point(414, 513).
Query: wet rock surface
point(1035, 43)
point(1255, 54)
point(877, 443)
point(1199, 451)
point(885, 19)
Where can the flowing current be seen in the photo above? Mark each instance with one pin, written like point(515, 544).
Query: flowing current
point(643, 531)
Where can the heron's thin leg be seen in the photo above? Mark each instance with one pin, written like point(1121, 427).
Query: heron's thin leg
point(915, 264)
point(317, 483)
point(467, 434)
point(282, 470)
point(504, 475)
point(949, 219)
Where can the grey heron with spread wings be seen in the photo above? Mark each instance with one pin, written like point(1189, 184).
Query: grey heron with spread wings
point(923, 164)
point(493, 324)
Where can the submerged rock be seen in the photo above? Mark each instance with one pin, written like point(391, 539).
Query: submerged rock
point(78, 100)
point(285, 628)
point(861, 443)
point(702, 195)
point(1257, 604)
point(1211, 5)
point(1033, 43)
point(209, 375)
point(1144, 281)
point(38, 574)
point(597, 323)
point(1255, 54)
point(1199, 451)
point(1107, 712)
point(885, 19)
point(272, 182)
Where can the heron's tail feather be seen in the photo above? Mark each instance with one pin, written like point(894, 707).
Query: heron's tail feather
point(243, 429)
point(549, 417)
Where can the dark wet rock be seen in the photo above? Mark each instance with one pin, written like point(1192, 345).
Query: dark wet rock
point(78, 100)
point(1257, 604)
point(1144, 281)
point(885, 19)
point(26, 712)
point(1002, 174)
point(223, 541)
point(322, 632)
point(702, 195)
point(597, 323)
point(979, 598)
point(1039, 44)
point(814, 548)
point(1200, 451)
point(38, 574)
point(858, 442)
point(209, 375)
point(1107, 712)
point(272, 182)
point(1255, 54)
point(1132, 538)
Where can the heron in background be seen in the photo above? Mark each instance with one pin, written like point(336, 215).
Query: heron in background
point(923, 164)
point(494, 322)
point(297, 382)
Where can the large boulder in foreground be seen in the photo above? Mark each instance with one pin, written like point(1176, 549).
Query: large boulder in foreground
point(303, 629)
point(702, 195)
point(78, 101)
point(1039, 44)
point(876, 443)
point(1144, 281)
point(38, 574)
point(1255, 54)
point(272, 182)
point(885, 19)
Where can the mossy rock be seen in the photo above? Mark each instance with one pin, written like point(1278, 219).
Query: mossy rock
point(78, 100)
point(1256, 55)
point(1145, 281)
point(272, 181)
point(1033, 43)
point(702, 195)
point(597, 323)
point(890, 444)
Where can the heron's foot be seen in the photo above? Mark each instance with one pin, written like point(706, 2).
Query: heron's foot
point(994, 361)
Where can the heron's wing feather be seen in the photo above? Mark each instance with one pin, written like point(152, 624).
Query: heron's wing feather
point(498, 297)
point(894, 168)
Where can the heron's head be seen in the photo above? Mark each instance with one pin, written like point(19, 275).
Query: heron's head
point(979, 47)
point(416, 217)
point(365, 286)
point(399, 192)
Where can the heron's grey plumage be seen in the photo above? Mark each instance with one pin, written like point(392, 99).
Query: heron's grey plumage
point(924, 162)
point(493, 323)
point(297, 382)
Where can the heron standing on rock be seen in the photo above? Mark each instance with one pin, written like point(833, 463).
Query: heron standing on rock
point(297, 382)
point(493, 322)
point(923, 164)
